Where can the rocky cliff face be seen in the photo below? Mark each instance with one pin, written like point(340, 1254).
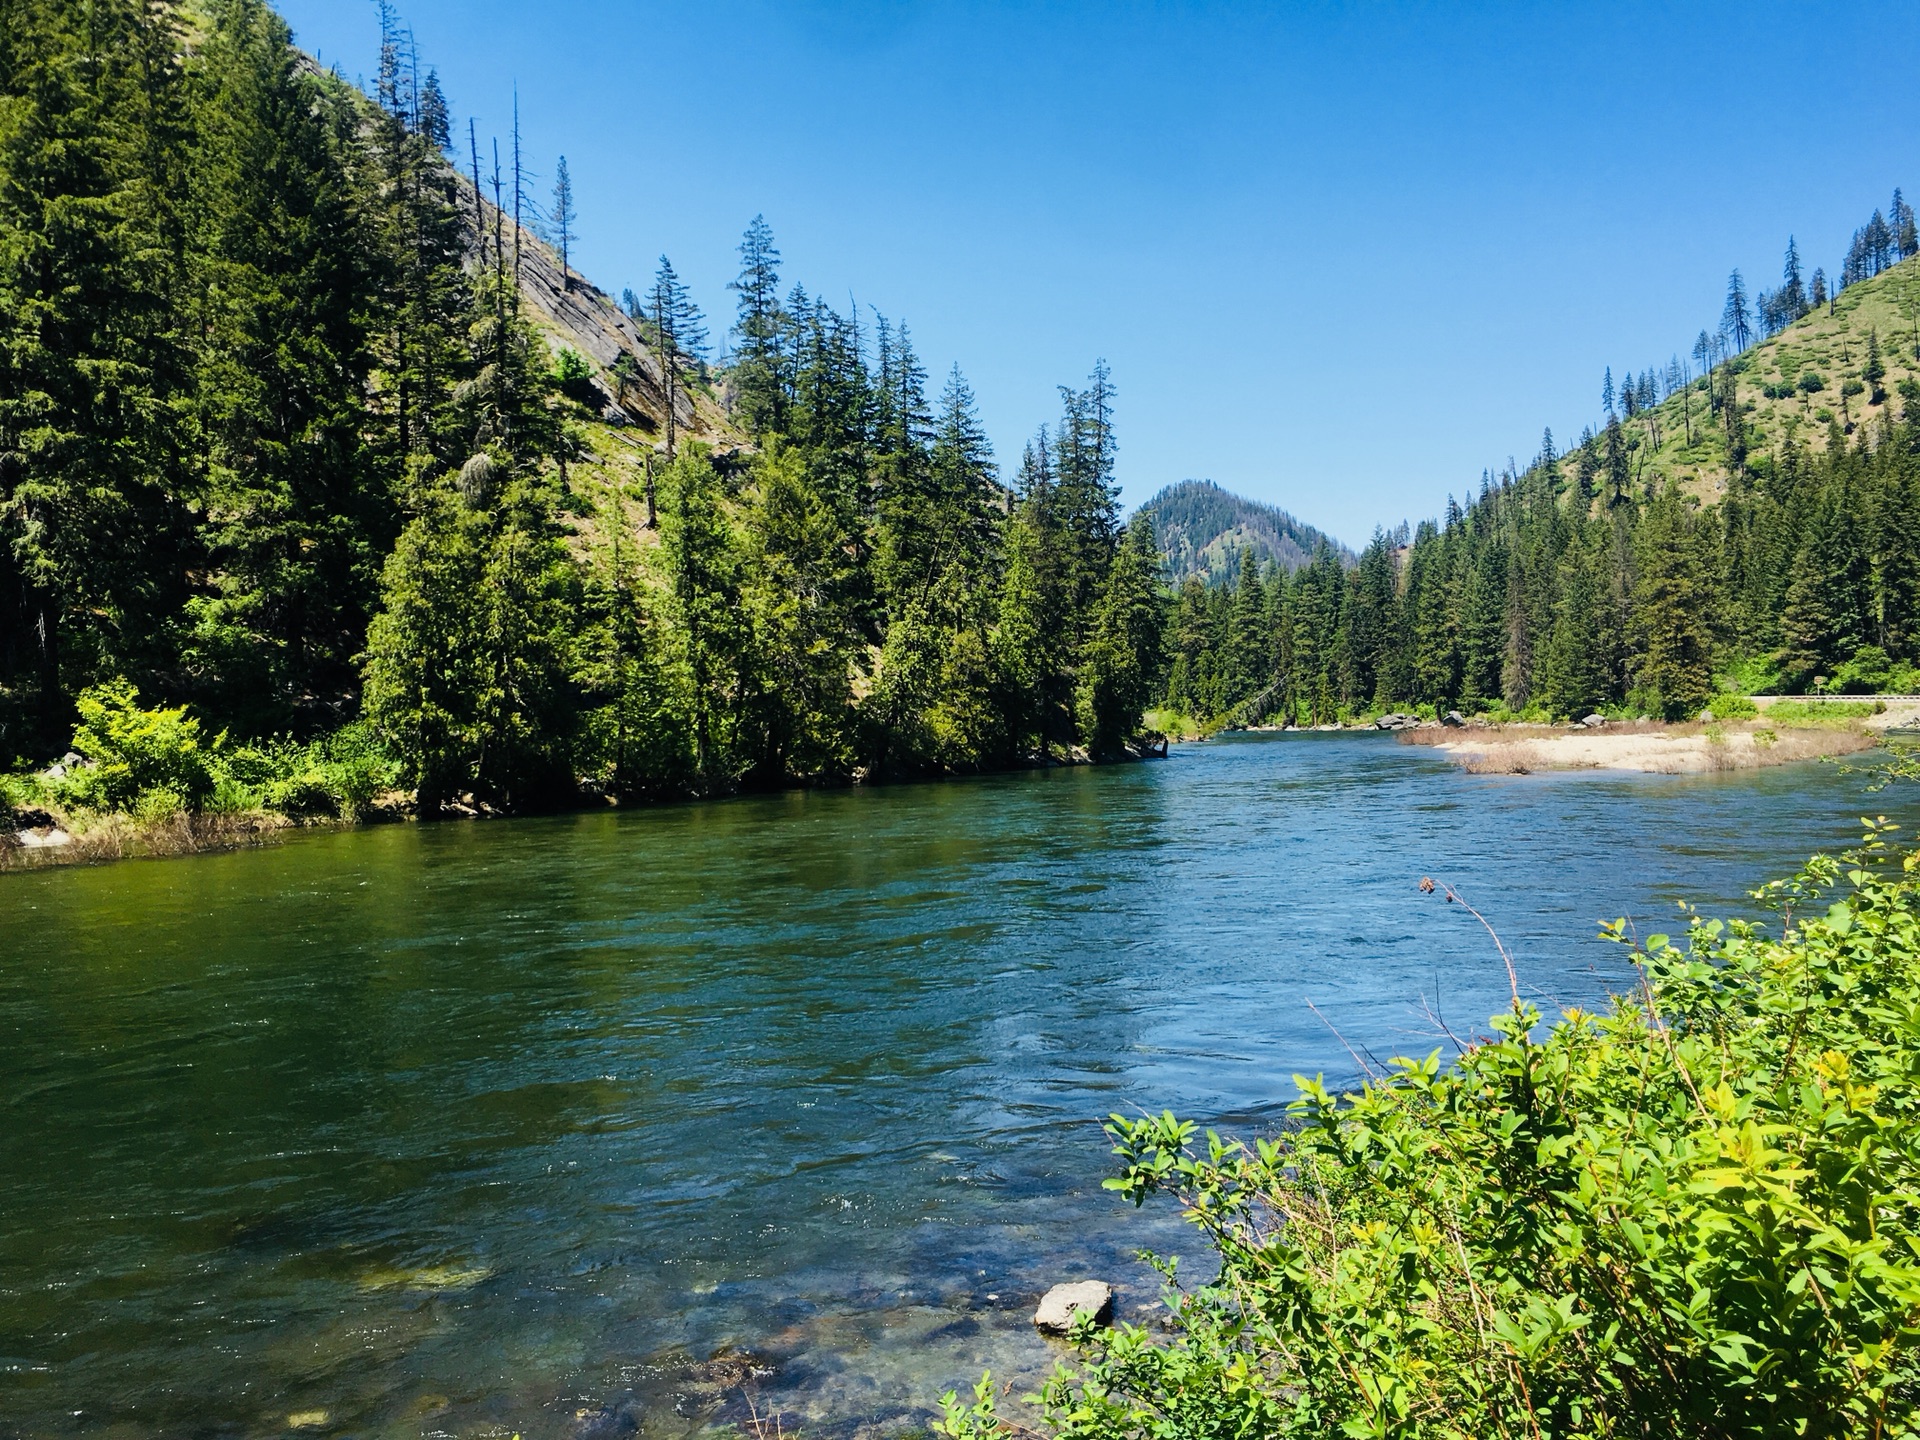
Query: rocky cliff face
point(586, 319)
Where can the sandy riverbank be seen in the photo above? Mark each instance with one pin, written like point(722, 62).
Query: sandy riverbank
point(1645, 746)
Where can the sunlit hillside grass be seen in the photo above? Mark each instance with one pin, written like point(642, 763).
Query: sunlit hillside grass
point(1829, 344)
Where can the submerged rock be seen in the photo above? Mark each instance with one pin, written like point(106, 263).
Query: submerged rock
point(1060, 1304)
point(608, 1422)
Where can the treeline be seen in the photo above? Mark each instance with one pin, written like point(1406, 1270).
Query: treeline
point(1883, 242)
point(278, 443)
point(1568, 588)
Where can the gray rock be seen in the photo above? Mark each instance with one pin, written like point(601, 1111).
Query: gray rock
point(1706, 717)
point(1397, 722)
point(1060, 1304)
point(1594, 722)
point(51, 837)
point(1453, 720)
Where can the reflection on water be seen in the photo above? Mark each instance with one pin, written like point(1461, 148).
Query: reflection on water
point(622, 1123)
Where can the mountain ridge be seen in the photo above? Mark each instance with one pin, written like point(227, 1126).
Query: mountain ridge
point(1205, 530)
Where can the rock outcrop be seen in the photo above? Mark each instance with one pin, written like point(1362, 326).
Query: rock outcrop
point(1060, 1305)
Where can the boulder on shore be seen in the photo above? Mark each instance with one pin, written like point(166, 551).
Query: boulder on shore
point(1453, 720)
point(1060, 1304)
point(1594, 722)
point(1397, 721)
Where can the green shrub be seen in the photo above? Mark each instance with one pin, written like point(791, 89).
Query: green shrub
point(1729, 706)
point(1867, 673)
point(1813, 382)
point(573, 376)
point(339, 776)
point(143, 761)
point(1695, 1214)
point(1803, 714)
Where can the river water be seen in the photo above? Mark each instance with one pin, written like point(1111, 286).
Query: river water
point(647, 1122)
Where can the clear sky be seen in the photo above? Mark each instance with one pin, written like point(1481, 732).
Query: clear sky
point(1339, 257)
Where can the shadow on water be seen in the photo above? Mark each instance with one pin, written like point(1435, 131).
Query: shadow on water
point(586, 1125)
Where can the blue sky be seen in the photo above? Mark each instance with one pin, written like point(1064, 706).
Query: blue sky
point(1340, 257)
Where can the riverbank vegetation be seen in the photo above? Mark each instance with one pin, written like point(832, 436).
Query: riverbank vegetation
point(1691, 1214)
point(297, 470)
point(1719, 531)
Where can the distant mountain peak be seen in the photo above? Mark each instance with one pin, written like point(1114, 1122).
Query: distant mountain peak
point(1205, 531)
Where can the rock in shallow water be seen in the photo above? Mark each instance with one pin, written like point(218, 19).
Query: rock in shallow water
point(1060, 1304)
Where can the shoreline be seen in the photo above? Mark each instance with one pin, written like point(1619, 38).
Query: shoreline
point(114, 837)
point(1643, 747)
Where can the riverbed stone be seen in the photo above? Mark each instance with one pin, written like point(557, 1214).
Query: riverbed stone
point(1594, 722)
point(1060, 1304)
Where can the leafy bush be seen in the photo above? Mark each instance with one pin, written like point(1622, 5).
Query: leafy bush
point(1729, 706)
point(153, 763)
point(142, 761)
point(1696, 1214)
point(573, 376)
point(339, 776)
point(1813, 382)
point(1866, 673)
point(1792, 714)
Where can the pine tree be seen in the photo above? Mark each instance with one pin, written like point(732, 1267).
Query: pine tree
point(1619, 477)
point(1736, 319)
point(1123, 651)
point(756, 329)
point(1572, 679)
point(1673, 605)
point(563, 218)
point(1828, 614)
point(299, 511)
point(93, 368)
point(1906, 236)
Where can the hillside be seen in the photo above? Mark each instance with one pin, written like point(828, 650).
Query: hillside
point(1790, 387)
point(1204, 530)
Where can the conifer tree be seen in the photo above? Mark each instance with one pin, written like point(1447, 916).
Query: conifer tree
point(563, 217)
point(93, 367)
point(299, 511)
point(1736, 319)
point(1573, 678)
point(1123, 649)
point(1673, 609)
point(1793, 297)
point(756, 329)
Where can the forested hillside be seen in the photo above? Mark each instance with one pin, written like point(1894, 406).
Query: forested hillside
point(312, 457)
point(1753, 525)
point(1210, 533)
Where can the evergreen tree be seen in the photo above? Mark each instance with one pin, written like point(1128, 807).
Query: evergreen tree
point(563, 218)
point(1673, 608)
point(93, 365)
point(757, 329)
point(299, 511)
point(1793, 297)
point(1573, 678)
point(1123, 650)
point(1736, 319)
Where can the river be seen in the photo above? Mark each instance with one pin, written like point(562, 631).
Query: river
point(649, 1120)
